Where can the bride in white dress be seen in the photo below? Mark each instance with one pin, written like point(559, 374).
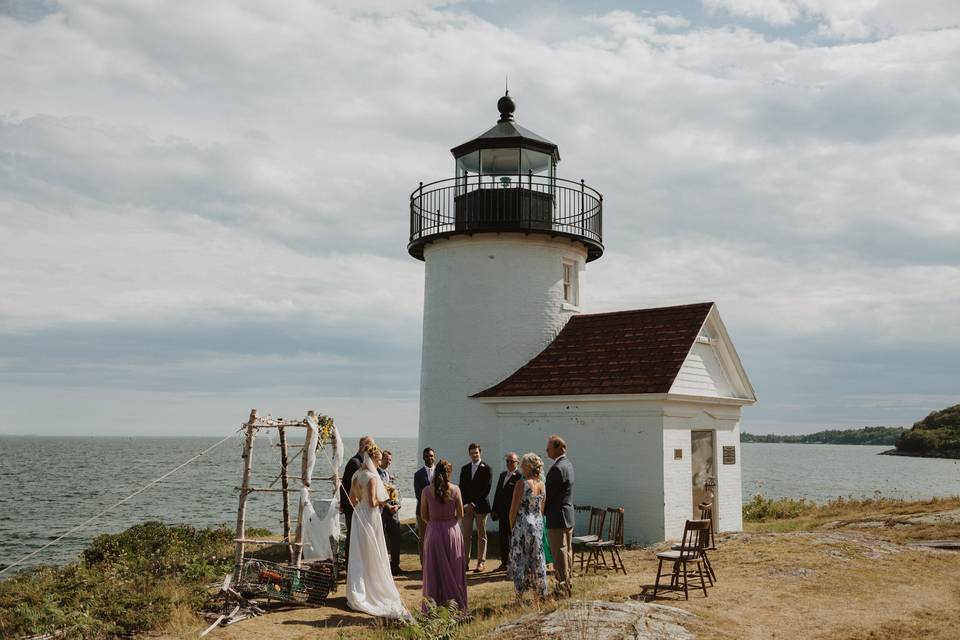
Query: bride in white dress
point(370, 586)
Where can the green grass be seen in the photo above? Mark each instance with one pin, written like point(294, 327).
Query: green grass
point(796, 514)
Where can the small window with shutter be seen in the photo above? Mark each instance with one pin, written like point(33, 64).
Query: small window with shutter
point(570, 293)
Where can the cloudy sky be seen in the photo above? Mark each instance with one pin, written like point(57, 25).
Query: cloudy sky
point(203, 205)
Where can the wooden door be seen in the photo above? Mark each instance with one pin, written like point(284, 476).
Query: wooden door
point(703, 468)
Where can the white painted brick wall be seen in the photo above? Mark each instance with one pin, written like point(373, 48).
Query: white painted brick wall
point(614, 449)
point(729, 502)
point(491, 303)
point(681, 418)
point(678, 489)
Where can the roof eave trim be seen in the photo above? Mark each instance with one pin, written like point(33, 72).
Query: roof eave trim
point(501, 143)
point(613, 397)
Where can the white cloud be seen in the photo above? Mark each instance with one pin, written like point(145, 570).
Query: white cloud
point(849, 19)
point(169, 171)
point(779, 13)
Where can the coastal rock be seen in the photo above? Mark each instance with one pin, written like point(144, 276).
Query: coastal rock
point(600, 620)
point(938, 518)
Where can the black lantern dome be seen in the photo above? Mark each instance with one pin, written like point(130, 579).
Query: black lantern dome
point(505, 181)
point(507, 149)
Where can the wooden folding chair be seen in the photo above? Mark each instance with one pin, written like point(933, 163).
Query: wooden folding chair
point(711, 574)
point(612, 543)
point(696, 534)
point(706, 513)
point(594, 530)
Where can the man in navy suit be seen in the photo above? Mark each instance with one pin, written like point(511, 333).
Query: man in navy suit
point(475, 481)
point(422, 479)
point(502, 499)
point(346, 507)
point(558, 512)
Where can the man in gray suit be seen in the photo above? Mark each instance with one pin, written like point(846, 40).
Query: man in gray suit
point(558, 512)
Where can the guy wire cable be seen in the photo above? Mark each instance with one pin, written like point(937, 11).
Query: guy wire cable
point(117, 504)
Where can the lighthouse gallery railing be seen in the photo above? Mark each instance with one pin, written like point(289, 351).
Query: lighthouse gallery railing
point(532, 204)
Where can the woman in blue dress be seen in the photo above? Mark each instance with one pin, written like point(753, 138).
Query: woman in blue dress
point(528, 568)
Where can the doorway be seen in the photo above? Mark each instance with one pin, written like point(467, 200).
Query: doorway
point(703, 468)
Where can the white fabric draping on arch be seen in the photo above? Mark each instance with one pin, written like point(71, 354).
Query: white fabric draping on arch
point(317, 531)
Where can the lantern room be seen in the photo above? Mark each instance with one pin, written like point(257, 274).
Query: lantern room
point(506, 154)
point(505, 180)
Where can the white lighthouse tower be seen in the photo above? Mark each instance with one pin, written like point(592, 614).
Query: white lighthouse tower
point(508, 357)
point(506, 243)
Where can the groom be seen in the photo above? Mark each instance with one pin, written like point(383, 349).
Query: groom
point(346, 507)
point(390, 516)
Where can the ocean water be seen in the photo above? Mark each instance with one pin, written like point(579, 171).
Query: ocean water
point(50, 484)
point(820, 472)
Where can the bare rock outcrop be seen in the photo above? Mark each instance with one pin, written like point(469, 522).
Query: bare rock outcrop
point(600, 620)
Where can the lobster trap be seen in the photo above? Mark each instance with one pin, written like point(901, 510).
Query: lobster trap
point(307, 584)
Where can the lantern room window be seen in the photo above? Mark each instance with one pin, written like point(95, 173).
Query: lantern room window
point(505, 167)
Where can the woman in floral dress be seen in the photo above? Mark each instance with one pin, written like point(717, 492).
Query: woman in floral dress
point(528, 568)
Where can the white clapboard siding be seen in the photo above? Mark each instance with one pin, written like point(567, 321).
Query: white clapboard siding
point(703, 375)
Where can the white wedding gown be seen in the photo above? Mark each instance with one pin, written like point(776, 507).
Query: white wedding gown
point(370, 587)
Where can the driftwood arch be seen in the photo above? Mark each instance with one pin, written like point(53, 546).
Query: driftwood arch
point(306, 577)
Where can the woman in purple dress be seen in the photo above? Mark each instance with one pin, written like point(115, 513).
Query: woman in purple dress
point(441, 507)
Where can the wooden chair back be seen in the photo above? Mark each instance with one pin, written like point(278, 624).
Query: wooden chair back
point(581, 513)
point(595, 525)
point(706, 513)
point(615, 530)
point(696, 538)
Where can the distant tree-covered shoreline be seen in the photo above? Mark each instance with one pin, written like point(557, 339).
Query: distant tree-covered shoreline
point(936, 436)
point(864, 435)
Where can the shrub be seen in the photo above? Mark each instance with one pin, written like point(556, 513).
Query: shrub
point(124, 584)
point(760, 509)
point(438, 622)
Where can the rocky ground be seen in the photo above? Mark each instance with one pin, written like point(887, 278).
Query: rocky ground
point(863, 576)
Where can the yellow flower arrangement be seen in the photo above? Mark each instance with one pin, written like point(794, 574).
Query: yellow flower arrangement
point(326, 430)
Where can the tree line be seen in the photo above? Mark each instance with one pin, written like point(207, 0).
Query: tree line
point(864, 435)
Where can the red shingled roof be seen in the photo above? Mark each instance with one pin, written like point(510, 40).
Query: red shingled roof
point(637, 351)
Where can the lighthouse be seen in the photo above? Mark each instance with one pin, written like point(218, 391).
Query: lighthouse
point(648, 400)
point(505, 243)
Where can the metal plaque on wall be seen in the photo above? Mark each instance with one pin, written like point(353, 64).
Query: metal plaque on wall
point(729, 455)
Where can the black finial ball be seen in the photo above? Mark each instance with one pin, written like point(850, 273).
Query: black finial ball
point(507, 106)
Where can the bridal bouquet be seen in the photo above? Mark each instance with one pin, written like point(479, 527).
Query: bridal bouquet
point(392, 493)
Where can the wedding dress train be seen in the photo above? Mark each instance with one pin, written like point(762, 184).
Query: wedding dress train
point(370, 586)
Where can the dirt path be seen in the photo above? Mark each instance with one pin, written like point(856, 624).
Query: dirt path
point(857, 580)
